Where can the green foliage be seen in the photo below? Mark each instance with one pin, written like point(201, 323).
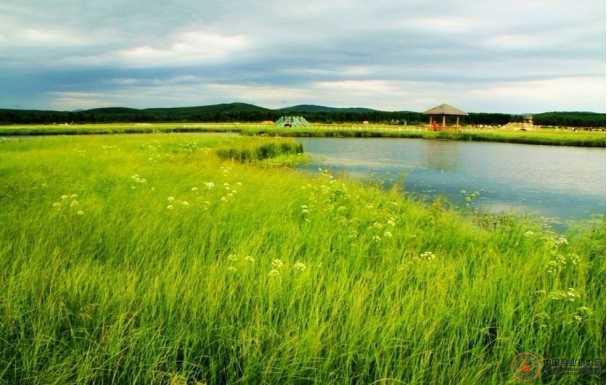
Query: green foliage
point(255, 151)
point(242, 112)
point(147, 259)
point(570, 119)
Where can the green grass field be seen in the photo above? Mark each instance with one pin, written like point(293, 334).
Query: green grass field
point(148, 259)
point(543, 136)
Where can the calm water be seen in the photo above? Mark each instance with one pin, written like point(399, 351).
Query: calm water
point(563, 183)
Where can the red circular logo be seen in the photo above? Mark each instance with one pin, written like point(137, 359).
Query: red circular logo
point(525, 367)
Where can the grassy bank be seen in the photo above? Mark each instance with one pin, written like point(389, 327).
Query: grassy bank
point(542, 137)
point(148, 259)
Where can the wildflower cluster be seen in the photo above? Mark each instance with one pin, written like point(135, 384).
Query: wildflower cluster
point(276, 265)
point(173, 202)
point(138, 180)
point(154, 148)
point(188, 146)
point(560, 260)
point(469, 196)
point(570, 296)
point(299, 266)
point(81, 153)
point(68, 202)
point(427, 257)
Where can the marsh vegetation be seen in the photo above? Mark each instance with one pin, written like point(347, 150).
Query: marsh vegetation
point(151, 259)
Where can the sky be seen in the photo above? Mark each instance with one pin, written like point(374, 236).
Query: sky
point(393, 55)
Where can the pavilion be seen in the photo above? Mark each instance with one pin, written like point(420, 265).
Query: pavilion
point(444, 110)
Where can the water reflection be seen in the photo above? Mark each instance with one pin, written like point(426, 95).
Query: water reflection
point(442, 156)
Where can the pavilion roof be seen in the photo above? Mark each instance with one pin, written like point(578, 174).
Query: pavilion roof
point(444, 109)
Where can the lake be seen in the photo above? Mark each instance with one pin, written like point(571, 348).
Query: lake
point(560, 184)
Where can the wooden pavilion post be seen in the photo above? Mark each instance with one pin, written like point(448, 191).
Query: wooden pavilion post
point(444, 120)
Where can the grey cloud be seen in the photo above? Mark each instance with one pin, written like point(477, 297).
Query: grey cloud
point(214, 49)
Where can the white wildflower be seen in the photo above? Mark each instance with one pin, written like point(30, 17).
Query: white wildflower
point(185, 203)
point(64, 197)
point(428, 255)
point(572, 294)
point(56, 204)
point(73, 203)
point(170, 207)
point(299, 266)
point(249, 258)
point(277, 263)
point(529, 233)
point(170, 199)
point(388, 234)
point(274, 272)
point(194, 188)
point(80, 212)
point(231, 268)
point(224, 199)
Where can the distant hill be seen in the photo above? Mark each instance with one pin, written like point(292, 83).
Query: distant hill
point(215, 108)
point(315, 108)
point(112, 110)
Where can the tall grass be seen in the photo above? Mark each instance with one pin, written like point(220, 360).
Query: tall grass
point(542, 137)
point(253, 151)
point(148, 259)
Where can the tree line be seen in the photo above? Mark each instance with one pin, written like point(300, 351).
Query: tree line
point(571, 119)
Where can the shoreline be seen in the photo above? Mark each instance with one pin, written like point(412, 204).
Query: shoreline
point(551, 138)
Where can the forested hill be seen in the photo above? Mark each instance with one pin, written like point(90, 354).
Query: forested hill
point(242, 112)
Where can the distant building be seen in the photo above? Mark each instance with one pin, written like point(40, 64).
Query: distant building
point(292, 121)
point(443, 110)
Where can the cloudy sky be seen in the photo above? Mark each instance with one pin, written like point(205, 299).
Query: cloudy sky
point(480, 56)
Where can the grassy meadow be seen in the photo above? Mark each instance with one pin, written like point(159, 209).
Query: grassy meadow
point(539, 137)
point(176, 259)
